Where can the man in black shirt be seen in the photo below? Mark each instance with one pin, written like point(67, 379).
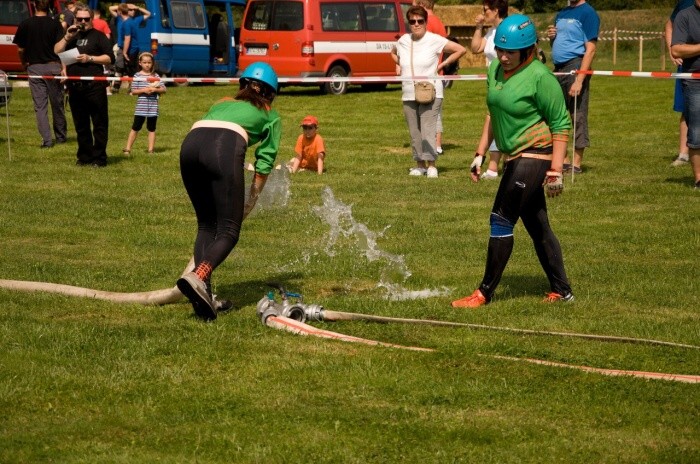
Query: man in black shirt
point(87, 98)
point(35, 39)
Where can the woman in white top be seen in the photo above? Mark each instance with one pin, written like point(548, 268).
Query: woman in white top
point(418, 54)
point(494, 12)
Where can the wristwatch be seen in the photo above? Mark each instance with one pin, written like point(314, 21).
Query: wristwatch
point(91, 59)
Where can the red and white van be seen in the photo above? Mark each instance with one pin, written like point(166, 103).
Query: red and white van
point(319, 38)
point(12, 13)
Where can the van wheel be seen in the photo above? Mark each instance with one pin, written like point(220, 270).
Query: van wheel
point(336, 88)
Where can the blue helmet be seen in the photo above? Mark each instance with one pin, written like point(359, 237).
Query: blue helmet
point(261, 72)
point(515, 33)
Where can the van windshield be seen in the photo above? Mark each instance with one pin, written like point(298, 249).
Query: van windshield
point(275, 16)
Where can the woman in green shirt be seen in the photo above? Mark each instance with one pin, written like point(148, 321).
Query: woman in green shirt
point(212, 160)
point(530, 124)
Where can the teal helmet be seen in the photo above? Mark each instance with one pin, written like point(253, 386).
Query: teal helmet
point(261, 72)
point(515, 33)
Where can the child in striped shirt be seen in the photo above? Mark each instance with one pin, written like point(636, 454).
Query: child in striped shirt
point(148, 91)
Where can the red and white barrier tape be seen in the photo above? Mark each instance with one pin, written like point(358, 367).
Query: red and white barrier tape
point(354, 80)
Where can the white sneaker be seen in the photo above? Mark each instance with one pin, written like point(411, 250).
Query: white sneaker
point(432, 172)
point(417, 172)
point(438, 150)
point(680, 161)
point(490, 175)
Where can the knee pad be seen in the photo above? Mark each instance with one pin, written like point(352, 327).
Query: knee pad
point(500, 226)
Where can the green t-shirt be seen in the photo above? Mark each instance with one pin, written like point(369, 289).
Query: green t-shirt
point(527, 109)
point(262, 126)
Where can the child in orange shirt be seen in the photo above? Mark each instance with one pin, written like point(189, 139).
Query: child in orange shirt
point(310, 152)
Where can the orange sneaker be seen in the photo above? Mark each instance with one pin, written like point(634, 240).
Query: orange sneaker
point(556, 298)
point(474, 300)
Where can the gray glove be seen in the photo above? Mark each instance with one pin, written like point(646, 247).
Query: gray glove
point(553, 183)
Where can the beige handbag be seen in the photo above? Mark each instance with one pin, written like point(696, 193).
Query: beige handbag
point(424, 90)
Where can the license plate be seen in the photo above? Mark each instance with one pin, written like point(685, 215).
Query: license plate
point(256, 51)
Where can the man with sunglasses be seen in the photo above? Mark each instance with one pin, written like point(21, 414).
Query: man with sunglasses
point(87, 98)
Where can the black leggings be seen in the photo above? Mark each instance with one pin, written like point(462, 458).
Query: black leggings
point(211, 165)
point(521, 195)
point(151, 122)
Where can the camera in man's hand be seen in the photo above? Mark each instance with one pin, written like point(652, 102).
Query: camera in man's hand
point(75, 28)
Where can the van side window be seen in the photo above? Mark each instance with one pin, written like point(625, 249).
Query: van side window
point(340, 17)
point(258, 18)
point(288, 16)
point(188, 15)
point(13, 12)
point(381, 17)
point(404, 10)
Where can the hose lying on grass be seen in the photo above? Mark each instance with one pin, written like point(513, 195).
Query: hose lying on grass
point(155, 297)
point(291, 317)
point(301, 328)
point(334, 316)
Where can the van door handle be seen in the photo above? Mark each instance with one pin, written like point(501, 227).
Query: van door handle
point(397, 36)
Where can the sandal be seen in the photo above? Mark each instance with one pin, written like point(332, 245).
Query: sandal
point(126, 151)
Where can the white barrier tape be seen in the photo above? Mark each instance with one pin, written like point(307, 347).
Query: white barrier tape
point(629, 38)
point(357, 80)
point(632, 32)
point(544, 38)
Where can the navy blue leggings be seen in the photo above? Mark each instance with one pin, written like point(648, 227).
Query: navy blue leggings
point(211, 165)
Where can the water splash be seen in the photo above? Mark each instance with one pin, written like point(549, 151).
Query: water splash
point(277, 190)
point(394, 273)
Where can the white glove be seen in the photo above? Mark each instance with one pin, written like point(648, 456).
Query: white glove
point(475, 168)
point(553, 183)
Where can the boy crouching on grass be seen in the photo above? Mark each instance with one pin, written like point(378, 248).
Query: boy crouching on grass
point(310, 152)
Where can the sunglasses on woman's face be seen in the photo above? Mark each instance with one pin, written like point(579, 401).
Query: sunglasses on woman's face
point(82, 20)
point(413, 22)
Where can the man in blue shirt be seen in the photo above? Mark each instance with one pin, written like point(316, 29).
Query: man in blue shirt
point(682, 158)
point(131, 43)
point(120, 13)
point(685, 44)
point(574, 36)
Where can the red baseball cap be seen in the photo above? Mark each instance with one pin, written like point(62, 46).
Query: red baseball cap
point(309, 121)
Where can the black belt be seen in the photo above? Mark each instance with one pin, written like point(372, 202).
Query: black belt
point(83, 84)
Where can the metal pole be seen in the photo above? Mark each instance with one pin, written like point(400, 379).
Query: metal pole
point(7, 115)
point(573, 141)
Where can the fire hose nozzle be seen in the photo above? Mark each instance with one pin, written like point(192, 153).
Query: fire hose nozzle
point(267, 307)
point(314, 312)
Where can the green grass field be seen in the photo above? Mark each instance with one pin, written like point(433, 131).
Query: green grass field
point(85, 380)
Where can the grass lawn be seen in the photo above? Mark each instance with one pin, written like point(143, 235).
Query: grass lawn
point(85, 380)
